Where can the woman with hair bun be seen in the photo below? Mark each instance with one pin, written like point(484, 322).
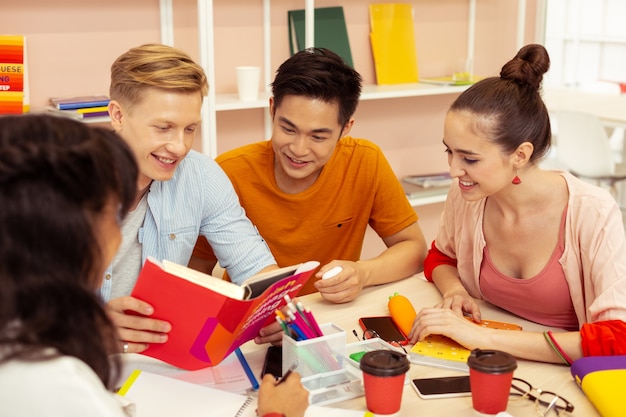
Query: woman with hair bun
point(540, 244)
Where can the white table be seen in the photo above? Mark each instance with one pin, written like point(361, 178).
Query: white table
point(373, 301)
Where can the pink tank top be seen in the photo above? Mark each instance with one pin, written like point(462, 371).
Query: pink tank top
point(544, 298)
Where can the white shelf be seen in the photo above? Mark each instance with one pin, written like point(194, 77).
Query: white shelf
point(430, 199)
point(377, 92)
point(229, 102)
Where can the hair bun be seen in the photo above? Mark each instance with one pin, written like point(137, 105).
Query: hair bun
point(528, 66)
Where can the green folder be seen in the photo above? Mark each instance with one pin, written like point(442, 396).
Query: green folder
point(330, 31)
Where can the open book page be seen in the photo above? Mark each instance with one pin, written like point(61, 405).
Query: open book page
point(204, 280)
point(255, 285)
point(161, 396)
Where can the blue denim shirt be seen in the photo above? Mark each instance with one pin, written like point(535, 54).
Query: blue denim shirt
point(199, 200)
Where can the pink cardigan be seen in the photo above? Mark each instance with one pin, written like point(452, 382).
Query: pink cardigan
point(594, 259)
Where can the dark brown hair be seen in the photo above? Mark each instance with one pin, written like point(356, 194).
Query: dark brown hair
point(509, 108)
point(56, 176)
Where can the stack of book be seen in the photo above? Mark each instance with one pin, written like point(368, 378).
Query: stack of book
point(421, 186)
point(441, 179)
point(13, 77)
point(86, 108)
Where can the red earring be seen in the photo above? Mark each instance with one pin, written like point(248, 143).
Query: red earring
point(516, 180)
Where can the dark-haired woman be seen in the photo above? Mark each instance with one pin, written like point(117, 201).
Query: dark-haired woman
point(541, 244)
point(64, 189)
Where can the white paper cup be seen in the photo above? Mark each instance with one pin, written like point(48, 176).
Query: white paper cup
point(248, 83)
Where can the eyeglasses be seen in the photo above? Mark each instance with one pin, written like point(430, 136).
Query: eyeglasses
point(371, 334)
point(545, 401)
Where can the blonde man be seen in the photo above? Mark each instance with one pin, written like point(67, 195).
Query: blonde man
point(156, 97)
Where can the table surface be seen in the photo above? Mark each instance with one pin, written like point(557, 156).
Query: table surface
point(610, 108)
point(373, 301)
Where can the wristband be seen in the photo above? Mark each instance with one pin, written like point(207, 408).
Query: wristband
point(555, 346)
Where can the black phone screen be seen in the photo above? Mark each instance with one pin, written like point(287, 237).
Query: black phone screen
point(273, 362)
point(442, 387)
point(385, 327)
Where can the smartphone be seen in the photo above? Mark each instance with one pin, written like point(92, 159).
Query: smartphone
point(273, 363)
point(442, 387)
point(385, 327)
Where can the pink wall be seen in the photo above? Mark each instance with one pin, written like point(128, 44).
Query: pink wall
point(72, 43)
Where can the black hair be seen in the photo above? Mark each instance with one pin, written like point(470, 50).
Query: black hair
point(320, 74)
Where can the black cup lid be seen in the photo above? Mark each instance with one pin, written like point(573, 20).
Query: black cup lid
point(491, 361)
point(384, 363)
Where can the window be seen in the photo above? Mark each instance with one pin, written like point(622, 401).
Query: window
point(586, 40)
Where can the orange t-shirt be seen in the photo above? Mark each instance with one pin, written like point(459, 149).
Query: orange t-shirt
point(328, 221)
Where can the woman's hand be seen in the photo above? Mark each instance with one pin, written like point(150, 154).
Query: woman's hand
point(446, 322)
point(461, 303)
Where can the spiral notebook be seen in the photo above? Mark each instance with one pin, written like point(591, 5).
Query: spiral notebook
point(441, 351)
point(157, 395)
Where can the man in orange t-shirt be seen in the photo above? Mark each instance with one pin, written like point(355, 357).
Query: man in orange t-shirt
point(312, 190)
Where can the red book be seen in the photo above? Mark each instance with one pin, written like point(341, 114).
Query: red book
point(211, 317)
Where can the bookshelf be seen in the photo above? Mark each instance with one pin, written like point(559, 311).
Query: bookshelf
point(405, 120)
point(228, 102)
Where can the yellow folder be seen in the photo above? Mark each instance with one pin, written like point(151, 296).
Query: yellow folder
point(392, 37)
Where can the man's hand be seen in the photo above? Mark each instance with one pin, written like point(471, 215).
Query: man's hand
point(272, 333)
point(345, 286)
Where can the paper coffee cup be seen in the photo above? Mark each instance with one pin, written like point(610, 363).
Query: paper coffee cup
point(248, 82)
point(491, 374)
point(383, 380)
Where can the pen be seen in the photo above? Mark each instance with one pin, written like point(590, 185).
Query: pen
point(289, 371)
point(246, 367)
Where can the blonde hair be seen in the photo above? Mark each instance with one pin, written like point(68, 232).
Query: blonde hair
point(158, 66)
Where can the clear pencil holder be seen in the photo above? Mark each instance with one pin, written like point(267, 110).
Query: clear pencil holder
point(317, 355)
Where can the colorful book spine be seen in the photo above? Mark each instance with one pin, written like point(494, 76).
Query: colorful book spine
point(13, 85)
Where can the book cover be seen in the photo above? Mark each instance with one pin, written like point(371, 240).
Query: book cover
point(443, 352)
point(72, 103)
point(11, 102)
point(330, 31)
point(392, 37)
point(602, 380)
point(13, 75)
point(208, 325)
